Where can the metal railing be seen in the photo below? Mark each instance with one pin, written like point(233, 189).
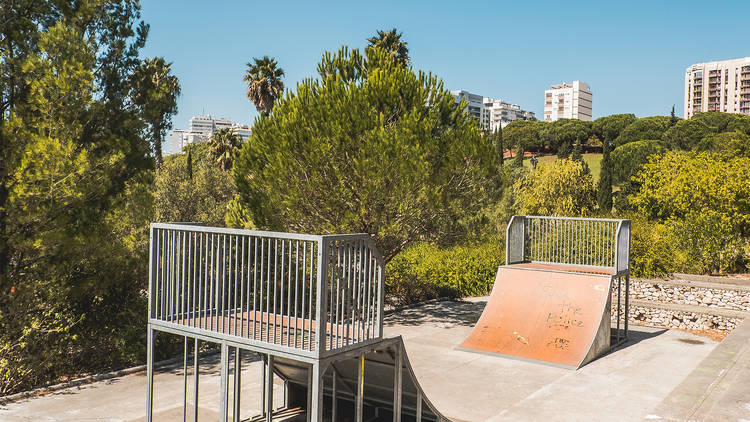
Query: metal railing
point(587, 242)
point(266, 287)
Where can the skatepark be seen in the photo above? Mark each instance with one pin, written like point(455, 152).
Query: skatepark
point(543, 346)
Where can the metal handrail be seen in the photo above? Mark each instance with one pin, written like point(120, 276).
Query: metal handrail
point(265, 287)
point(579, 241)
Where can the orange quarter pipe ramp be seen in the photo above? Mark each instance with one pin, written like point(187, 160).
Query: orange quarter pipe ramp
point(542, 313)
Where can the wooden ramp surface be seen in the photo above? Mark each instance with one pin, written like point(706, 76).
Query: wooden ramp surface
point(545, 314)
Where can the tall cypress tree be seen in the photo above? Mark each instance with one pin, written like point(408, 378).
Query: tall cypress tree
point(604, 187)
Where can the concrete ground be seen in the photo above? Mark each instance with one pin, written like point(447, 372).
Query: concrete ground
point(637, 382)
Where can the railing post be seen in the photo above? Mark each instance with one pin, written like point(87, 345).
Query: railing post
point(151, 274)
point(321, 296)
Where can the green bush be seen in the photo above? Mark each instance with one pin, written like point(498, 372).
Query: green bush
point(426, 271)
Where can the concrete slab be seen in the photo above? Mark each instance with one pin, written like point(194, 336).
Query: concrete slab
point(718, 389)
point(625, 385)
point(124, 398)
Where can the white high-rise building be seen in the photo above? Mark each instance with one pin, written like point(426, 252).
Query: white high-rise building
point(201, 129)
point(568, 101)
point(500, 113)
point(491, 113)
point(718, 86)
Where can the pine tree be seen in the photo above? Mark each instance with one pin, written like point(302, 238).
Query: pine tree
point(578, 156)
point(672, 118)
point(564, 150)
point(604, 187)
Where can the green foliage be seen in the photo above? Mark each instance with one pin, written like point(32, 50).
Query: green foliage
point(224, 146)
point(642, 129)
point(578, 157)
point(727, 144)
point(564, 133)
point(264, 84)
point(203, 199)
point(651, 248)
point(155, 92)
point(702, 200)
point(523, 135)
point(686, 134)
point(609, 128)
point(74, 206)
point(426, 271)
point(559, 188)
point(370, 147)
point(720, 122)
point(628, 159)
point(391, 42)
point(604, 184)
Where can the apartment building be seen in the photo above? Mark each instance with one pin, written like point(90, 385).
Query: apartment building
point(491, 113)
point(568, 101)
point(501, 113)
point(476, 102)
point(201, 128)
point(718, 86)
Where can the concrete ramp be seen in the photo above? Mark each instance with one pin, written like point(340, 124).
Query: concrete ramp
point(544, 313)
point(381, 374)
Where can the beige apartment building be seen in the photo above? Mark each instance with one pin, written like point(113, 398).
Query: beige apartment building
point(718, 86)
point(568, 101)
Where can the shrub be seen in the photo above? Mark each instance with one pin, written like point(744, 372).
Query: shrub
point(426, 271)
point(562, 187)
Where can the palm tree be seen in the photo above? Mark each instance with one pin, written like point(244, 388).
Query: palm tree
point(264, 84)
point(224, 144)
point(390, 41)
point(155, 92)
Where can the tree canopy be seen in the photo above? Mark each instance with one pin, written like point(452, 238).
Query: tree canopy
point(391, 42)
point(371, 146)
point(642, 129)
point(264, 85)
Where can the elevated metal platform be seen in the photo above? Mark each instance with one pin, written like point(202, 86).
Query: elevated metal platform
point(311, 306)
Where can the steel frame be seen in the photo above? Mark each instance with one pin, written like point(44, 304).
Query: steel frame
point(197, 274)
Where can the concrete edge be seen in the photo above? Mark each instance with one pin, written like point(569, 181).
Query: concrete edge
point(712, 279)
point(77, 382)
point(726, 313)
point(700, 284)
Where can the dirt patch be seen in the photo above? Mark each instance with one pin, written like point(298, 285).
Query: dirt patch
point(715, 335)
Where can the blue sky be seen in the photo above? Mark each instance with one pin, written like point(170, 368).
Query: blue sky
point(633, 53)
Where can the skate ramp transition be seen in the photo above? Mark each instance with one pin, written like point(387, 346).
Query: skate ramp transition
point(383, 374)
point(553, 301)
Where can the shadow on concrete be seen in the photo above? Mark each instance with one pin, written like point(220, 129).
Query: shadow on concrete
point(461, 313)
point(638, 334)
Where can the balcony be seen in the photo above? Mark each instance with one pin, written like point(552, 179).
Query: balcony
point(297, 294)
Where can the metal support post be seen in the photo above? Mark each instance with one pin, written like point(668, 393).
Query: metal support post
point(397, 385)
point(195, 381)
point(237, 382)
point(269, 388)
point(334, 395)
point(263, 386)
point(184, 380)
point(419, 406)
point(224, 407)
point(316, 399)
point(627, 303)
point(360, 388)
point(150, 374)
